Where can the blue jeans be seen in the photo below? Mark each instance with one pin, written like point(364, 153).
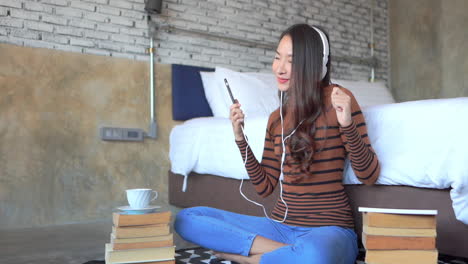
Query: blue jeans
point(234, 233)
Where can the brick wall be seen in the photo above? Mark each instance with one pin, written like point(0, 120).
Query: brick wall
point(104, 27)
point(119, 28)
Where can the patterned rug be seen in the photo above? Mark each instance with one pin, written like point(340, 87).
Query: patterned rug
point(201, 255)
point(204, 256)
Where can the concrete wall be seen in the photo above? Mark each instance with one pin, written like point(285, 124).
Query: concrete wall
point(454, 42)
point(119, 28)
point(428, 46)
point(54, 168)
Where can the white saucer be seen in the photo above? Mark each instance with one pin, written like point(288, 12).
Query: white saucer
point(129, 210)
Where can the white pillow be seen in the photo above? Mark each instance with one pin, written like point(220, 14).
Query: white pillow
point(368, 93)
point(256, 92)
point(211, 92)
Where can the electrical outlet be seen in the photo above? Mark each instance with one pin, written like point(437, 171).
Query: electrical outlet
point(121, 134)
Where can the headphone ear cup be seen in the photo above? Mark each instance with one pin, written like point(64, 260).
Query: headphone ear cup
point(326, 50)
point(324, 65)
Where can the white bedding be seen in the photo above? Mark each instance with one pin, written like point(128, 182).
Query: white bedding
point(419, 143)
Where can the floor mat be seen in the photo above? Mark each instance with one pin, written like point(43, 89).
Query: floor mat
point(201, 255)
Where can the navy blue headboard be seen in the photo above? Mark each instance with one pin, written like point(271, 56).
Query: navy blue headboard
point(188, 96)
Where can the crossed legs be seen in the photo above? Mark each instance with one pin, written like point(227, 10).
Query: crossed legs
point(260, 246)
point(236, 237)
point(250, 239)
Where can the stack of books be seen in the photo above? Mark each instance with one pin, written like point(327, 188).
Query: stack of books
point(399, 236)
point(142, 238)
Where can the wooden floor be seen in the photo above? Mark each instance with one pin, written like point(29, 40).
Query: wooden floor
point(64, 244)
point(72, 243)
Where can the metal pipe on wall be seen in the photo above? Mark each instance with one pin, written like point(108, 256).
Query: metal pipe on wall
point(153, 127)
point(152, 79)
point(136, 134)
point(372, 77)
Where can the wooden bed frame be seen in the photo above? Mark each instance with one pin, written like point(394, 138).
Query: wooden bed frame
point(223, 193)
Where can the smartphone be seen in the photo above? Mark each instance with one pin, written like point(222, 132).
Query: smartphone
point(229, 91)
point(234, 101)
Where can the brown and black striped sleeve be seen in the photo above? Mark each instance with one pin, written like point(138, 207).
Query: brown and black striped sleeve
point(363, 159)
point(264, 176)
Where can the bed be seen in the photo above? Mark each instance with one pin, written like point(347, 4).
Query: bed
point(417, 172)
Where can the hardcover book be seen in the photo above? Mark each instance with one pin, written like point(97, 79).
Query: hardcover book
point(401, 256)
point(139, 255)
point(141, 231)
point(141, 242)
point(141, 219)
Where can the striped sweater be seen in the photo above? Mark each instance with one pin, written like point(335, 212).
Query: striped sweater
point(319, 200)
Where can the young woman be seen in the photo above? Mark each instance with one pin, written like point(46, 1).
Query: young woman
point(307, 139)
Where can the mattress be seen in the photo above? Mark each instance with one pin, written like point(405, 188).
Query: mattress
point(418, 144)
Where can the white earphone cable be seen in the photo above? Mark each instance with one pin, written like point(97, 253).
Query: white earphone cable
point(283, 158)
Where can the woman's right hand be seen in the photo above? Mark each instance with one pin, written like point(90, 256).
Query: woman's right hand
point(237, 118)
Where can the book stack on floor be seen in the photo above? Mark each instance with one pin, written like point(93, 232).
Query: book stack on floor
point(399, 236)
point(141, 238)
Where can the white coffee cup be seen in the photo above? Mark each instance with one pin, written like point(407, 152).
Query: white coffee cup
point(140, 198)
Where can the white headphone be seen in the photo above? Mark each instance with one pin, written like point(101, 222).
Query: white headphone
point(326, 51)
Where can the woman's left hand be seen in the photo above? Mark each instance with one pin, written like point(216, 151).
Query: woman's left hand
point(342, 104)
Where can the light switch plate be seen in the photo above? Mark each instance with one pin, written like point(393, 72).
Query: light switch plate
point(121, 134)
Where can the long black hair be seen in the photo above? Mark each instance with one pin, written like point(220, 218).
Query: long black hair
point(304, 100)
